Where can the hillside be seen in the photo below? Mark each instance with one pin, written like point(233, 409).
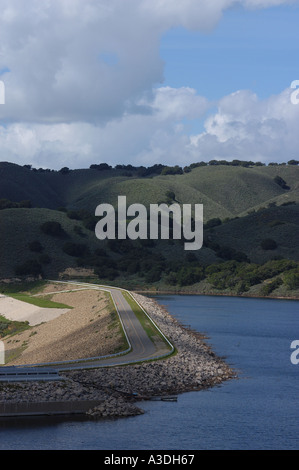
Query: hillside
point(250, 217)
point(225, 191)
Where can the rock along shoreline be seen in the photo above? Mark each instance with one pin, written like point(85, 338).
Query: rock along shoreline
point(119, 390)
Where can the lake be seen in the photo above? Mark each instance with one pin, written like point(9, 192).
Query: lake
point(259, 410)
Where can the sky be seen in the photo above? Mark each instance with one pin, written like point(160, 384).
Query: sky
point(148, 81)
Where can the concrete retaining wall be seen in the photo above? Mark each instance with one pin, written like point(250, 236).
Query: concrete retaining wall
point(47, 408)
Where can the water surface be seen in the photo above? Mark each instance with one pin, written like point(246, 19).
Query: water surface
point(257, 411)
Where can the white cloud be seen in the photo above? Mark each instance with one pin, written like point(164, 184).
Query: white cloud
point(199, 14)
point(81, 86)
point(251, 129)
point(267, 3)
point(177, 103)
point(133, 138)
point(54, 51)
point(243, 127)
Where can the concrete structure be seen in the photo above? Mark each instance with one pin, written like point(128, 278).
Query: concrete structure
point(25, 374)
point(62, 408)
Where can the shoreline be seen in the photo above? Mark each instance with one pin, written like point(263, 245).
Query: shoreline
point(194, 367)
point(166, 291)
point(213, 294)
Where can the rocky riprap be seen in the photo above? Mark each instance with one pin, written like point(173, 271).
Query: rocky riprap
point(194, 366)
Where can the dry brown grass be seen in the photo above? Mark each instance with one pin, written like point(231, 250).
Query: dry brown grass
point(90, 329)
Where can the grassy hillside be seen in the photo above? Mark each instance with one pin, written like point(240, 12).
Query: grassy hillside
point(22, 227)
point(225, 191)
point(246, 234)
point(26, 251)
point(250, 215)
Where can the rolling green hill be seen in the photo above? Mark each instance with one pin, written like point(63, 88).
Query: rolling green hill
point(251, 216)
point(225, 191)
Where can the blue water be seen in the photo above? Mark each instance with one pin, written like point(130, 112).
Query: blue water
point(259, 410)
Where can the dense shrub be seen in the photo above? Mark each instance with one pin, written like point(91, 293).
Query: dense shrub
point(271, 286)
point(241, 276)
point(44, 259)
point(213, 222)
point(100, 167)
point(170, 195)
point(191, 257)
point(228, 253)
point(36, 246)
point(154, 275)
point(106, 273)
point(52, 228)
point(291, 279)
point(100, 252)
point(8, 327)
point(74, 215)
point(7, 204)
point(78, 230)
point(75, 249)
point(29, 268)
point(172, 279)
point(172, 170)
point(90, 222)
point(268, 244)
point(190, 275)
point(25, 204)
point(65, 170)
point(281, 182)
point(92, 260)
point(274, 267)
point(129, 265)
point(121, 246)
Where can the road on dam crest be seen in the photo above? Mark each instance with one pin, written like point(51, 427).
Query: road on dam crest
point(140, 346)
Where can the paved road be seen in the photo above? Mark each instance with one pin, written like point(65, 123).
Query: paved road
point(141, 348)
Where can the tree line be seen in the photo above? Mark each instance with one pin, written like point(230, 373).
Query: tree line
point(160, 169)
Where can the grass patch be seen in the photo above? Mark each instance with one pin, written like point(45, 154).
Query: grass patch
point(115, 324)
point(21, 287)
point(149, 327)
point(39, 302)
point(8, 327)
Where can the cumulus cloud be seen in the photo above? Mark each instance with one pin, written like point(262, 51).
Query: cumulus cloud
point(83, 82)
point(267, 3)
point(135, 137)
point(69, 60)
point(245, 127)
point(199, 14)
point(56, 53)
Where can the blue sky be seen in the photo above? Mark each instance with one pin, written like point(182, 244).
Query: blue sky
point(148, 81)
point(256, 50)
